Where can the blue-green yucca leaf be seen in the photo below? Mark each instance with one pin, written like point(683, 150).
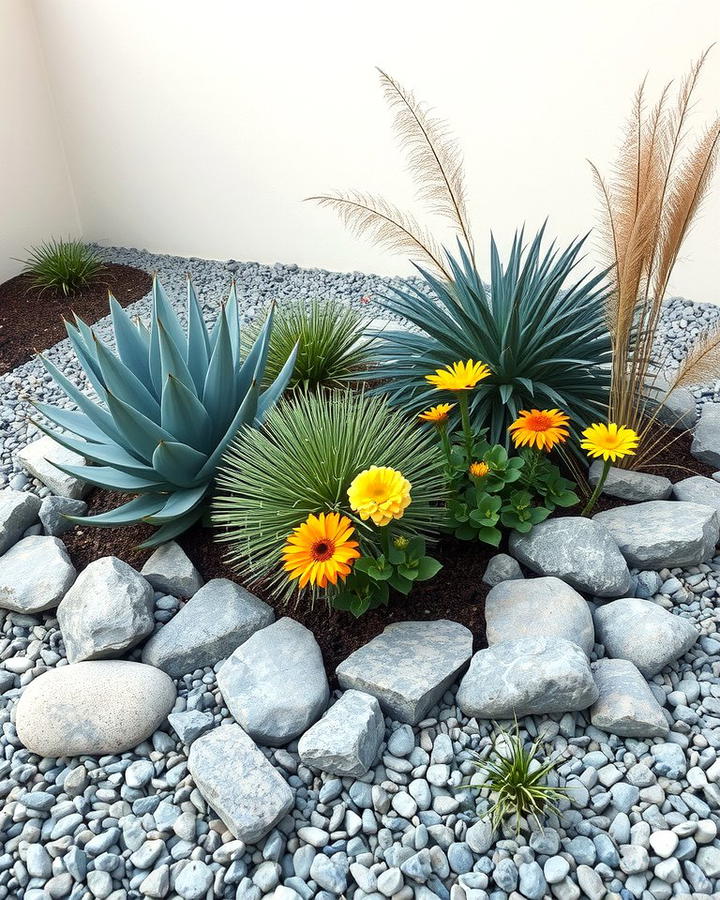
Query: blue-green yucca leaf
point(541, 329)
point(273, 393)
point(168, 403)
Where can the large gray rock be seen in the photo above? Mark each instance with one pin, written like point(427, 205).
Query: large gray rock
point(53, 512)
point(502, 568)
point(625, 705)
point(629, 485)
point(698, 489)
point(240, 784)
point(529, 676)
point(35, 574)
point(275, 684)
point(706, 437)
point(170, 571)
point(663, 533)
point(38, 458)
point(218, 618)
point(96, 708)
point(577, 550)
point(18, 511)
point(107, 611)
point(347, 738)
point(643, 632)
point(408, 666)
point(542, 607)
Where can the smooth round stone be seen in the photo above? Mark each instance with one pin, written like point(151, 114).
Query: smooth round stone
point(664, 843)
point(96, 708)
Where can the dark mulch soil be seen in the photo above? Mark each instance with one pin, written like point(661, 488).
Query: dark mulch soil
point(457, 593)
point(30, 320)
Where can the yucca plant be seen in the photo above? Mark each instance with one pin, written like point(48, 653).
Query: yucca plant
point(517, 780)
point(302, 462)
point(649, 206)
point(63, 266)
point(168, 404)
point(546, 345)
point(331, 338)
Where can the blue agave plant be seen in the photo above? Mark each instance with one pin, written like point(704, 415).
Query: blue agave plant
point(169, 403)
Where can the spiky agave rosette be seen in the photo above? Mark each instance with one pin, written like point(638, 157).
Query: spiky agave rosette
point(168, 404)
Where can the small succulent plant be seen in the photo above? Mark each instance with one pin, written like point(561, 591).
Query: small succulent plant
point(169, 403)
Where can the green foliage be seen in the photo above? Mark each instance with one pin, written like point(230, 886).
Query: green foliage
point(169, 404)
point(302, 461)
point(332, 345)
point(65, 267)
point(546, 345)
point(517, 780)
point(402, 563)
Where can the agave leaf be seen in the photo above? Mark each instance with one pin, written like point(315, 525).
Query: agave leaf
point(71, 420)
point(122, 382)
point(178, 504)
point(102, 454)
point(271, 395)
point(163, 317)
point(130, 343)
point(172, 529)
point(244, 416)
point(108, 477)
point(129, 513)
point(218, 395)
point(140, 433)
point(172, 360)
point(88, 359)
point(233, 319)
point(178, 463)
point(198, 342)
point(184, 416)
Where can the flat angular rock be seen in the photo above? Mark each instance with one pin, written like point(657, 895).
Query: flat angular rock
point(53, 511)
point(502, 568)
point(529, 676)
point(35, 574)
point(238, 781)
point(629, 485)
point(347, 738)
point(170, 571)
point(643, 632)
point(538, 607)
point(18, 511)
point(408, 666)
point(663, 533)
point(190, 724)
point(698, 489)
point(706, 437)
point(218, 618)
point(38, 458)
point(274, 684)
point(108, 610)
point(625, 705)
point(96, 708)
point(577, 550)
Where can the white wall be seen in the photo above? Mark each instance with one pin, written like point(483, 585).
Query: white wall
point(35, 190)
point(198, 127)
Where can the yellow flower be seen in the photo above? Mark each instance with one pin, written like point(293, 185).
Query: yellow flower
point(460, 376)
point(379, 493)
point(541, 428)
point(609, 441)
point(437, 414)
point(320, 550)
point(479, 469)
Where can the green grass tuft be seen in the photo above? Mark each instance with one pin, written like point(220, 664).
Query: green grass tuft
point(62, 266)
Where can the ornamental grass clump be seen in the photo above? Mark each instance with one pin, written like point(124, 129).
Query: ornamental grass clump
point(517, 780)
point(331, 338)
point(332, 499)
point(62, 266)
point(168, 404)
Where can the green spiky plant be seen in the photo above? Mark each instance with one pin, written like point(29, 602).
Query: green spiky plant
point(302, 462)
point(517, 780)
point(169, 403)
point(331, 339)
point(64, 266)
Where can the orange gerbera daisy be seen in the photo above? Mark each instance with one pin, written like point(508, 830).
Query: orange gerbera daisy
point(460, 376)
point(320, 551)
point(541, 428)
point(437, 414)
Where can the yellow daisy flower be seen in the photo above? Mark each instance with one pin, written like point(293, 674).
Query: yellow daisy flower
point(437, 414)
point(479, 469)
point(541, 428)
point(320, 551)
point(609, 441)
point(379, 493)
point(460, 376)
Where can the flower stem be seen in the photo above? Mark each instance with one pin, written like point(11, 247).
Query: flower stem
point(465, 418)
point(445, 441)
point(598, 489)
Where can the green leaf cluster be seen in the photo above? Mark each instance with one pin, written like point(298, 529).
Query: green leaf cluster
point(62, 266)
point(169, 402)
